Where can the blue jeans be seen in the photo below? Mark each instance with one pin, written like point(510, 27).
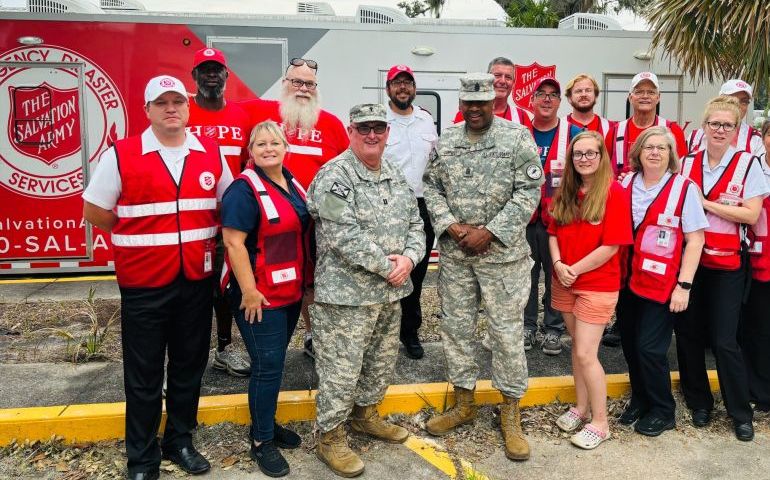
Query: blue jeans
point(266, 342)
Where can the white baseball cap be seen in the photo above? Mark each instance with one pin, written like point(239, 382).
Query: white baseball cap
point(734, 86)
point(642, 76)
point(159, 85)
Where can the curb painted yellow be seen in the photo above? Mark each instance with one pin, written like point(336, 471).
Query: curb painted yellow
point(105, 421)
point(90, 278)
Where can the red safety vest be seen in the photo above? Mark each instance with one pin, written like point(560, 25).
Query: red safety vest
point(280, 267)
point(604, 124)
point(743, 142)
point(657, 251)
point(622, 145)
point(553, 170)
point(760, 250)
point(164, 228)
point(722, 250)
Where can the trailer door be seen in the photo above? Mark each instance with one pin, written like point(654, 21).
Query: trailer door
point(43, 163)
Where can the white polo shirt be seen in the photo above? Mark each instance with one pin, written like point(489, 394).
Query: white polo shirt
point(104, 188)
point(693, 216)
point(411, 139)
point(755, 180)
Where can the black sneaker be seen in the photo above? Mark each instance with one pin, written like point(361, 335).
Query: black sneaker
point(413, 347)
point(309, 348)
point(529, 339)
point(269, 459)
point(551, 344)
point(285, 438)
point(611, 337)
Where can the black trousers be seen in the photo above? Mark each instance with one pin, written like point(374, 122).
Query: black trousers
point(755, 341)
point(176, 317)
point(712, 319)
point(537, 238)
point(645, 330)
point(411, 313)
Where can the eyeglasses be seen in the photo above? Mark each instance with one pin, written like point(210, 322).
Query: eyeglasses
point(378, 128)
point(645, 93)
point(298, 62)
point(715, 126)
point(402, 83)
point(589, 155)
point(297, 83)
point(553, 95)
point(659, 148)
point(582, 91)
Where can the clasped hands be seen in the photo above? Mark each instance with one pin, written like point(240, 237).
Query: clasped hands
point(565, 273)
point(473, 240)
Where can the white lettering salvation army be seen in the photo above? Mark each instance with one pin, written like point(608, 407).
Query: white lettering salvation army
point(43, 119)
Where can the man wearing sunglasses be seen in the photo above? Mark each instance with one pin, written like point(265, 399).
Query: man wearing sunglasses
point(227, 124)
point(481, 187)
point(315, 136)
point(748, 138)
point(412, 137)
point(552, 136)
point(370, 237)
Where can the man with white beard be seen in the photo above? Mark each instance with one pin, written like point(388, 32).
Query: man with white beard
point(315, 136)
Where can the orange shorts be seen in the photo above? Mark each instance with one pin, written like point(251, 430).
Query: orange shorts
point(587, 306)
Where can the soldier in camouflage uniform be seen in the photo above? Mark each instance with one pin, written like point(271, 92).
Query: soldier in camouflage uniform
point(481, 187)
point(370, 236)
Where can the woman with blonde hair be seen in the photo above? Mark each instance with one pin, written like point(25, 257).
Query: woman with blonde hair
point(591, 222)
point(266, 229)
point(668, 226)
point(733, 186)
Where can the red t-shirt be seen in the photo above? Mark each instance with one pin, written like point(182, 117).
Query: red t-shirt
point(228, 127)
point(579, 238)
point(308, 150)
point(594, 125)
point(633, 132)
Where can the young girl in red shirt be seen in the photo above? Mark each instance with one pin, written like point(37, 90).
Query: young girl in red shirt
point(592, 220)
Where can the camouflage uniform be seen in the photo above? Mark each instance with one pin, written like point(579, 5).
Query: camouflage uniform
point(494, 182)
point(361, 217)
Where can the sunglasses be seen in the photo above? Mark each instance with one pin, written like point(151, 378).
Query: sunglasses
point(298, 62)
point(378, 128)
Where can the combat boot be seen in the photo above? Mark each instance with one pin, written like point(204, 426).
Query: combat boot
point(516, 446)
point(333, 450)
point(367, 420)
point(464, 411)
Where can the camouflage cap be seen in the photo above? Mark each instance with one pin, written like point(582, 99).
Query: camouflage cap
point(477, 87)
point(368, 112)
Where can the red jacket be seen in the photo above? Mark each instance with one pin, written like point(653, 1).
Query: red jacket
point(164, 228)
point(723, 237)
point(658, 241)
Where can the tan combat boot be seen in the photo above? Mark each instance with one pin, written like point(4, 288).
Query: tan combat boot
point(464, 411)
point(367, 420)
point(516, 446)
point(333, 450)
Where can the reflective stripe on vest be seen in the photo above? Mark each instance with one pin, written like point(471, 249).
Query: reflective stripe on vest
point(166, 208)
point(620, 139)
point(163, 239)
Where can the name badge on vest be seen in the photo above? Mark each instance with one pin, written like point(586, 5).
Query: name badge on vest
point(207, 263)
point(734, 188)
point(284, 275)
point(557, 170)
point(729, 199)
point(653, 266)
point(668, 220)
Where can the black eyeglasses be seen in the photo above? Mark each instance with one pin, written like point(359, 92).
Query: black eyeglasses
point(402, 83)
point(378, 128)
point(727, 127)
point(298, 62)
point(297, 83)
point(589, 155)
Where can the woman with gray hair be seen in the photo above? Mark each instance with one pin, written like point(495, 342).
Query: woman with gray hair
point(668, 223)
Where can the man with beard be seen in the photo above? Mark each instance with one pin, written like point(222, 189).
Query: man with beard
point(502, 69)
point(227, 124)
point(412, 138)
point(552, 136)
point(315, 136)
point(582, 92)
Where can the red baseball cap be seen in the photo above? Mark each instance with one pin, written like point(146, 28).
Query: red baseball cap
point(396, 69)
point(550, 80)
point(209, 55)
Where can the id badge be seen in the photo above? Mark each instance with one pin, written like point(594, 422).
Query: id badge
point(556, 181)
point(664, 238)
point(207, 262)
point(729, 199)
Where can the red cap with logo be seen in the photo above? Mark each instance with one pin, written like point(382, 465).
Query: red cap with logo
point(397, 69)
point(209, 55)
point(550, 80)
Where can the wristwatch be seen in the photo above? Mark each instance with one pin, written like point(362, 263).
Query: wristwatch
point(684, 285)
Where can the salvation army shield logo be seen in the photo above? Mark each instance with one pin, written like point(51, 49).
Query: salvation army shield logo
point(44, 149)
point(44, 122)
point(524, 79)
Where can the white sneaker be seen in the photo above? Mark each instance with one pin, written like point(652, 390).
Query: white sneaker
point(231, 362)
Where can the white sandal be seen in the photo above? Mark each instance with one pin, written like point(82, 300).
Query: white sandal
point(570, 420)
point(589, 437)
